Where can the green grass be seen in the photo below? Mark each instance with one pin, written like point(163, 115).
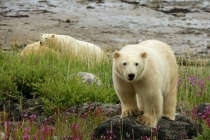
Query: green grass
point(52, 78)
point(194, 83)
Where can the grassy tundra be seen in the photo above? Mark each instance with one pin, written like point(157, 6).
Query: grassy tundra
point(49, 76)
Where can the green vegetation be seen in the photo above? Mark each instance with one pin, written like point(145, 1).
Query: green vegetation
point(52, 78)
point(194, 82)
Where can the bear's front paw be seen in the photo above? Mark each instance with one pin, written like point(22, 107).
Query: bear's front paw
point(131, 112)
point(146, 120)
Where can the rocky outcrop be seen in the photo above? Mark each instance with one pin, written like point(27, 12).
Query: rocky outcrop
point(129, 129)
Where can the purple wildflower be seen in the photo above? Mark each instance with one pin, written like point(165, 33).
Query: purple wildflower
point(7, 123)
point(76, 138)
point(145, 138)
point(205, 115)
point(179, 82)
point(75, 126)
point(201, 83)
point(32, 117)
point(192, 80)
point(110, 135)
point(27, 130)
point(26, 137)
point(25, 115)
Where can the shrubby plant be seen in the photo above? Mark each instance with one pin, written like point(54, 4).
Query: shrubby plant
point(52, 77)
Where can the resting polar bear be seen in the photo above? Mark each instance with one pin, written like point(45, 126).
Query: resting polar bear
point(71, 46)
point(145, 79)
point(34, 48)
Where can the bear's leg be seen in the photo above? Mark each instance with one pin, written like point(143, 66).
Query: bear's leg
point(152, 109)
point(169, 104)
point(140, 103)
point(127, 96)
point(128, 103)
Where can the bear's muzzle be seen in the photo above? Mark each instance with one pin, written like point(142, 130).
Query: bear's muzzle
point(131, 76)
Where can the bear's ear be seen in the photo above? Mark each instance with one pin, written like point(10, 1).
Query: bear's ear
point(116, 54)
point(143, 55)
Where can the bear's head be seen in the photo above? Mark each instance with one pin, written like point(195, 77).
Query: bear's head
point(50, 40)
point(129, 67)
point(47, 37)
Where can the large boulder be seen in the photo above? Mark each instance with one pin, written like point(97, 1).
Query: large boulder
point(128, 129)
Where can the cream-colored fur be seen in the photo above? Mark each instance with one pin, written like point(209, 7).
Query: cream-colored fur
point(34, 48)
point(145, 79)
point(71, 46)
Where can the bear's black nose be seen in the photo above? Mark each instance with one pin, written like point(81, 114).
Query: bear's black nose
point(131, 76)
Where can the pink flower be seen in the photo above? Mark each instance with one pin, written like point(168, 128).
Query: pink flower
point(179, 82)
point(75, 126)
point(27, 130)
point(192, 80)
point(32, 117)
point(26, 137)
point(25, 115)
point(183, 113)
point(201, 83)
point(7, 123)
point(48, 130)
point(145, 138)
point(76, 138)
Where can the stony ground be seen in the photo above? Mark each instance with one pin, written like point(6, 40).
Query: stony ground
point(109, 23)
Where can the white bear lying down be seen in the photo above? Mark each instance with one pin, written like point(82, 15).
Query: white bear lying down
point(66, 45)
point(71, 46)
point(145, 79)
point(34, 48)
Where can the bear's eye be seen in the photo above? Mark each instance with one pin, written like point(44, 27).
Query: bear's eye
point(124, 63)
point(136, 64)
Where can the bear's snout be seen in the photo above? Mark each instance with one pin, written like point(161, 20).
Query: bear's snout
point(131, 76)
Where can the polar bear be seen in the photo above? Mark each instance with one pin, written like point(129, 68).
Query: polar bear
point(34, 48)
point(145, 79)
point(73, 47)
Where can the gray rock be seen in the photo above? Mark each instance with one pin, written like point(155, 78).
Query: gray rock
point(202, 113)
point(208, 45)
point(91, 6)
point(109, 110)
point(15, 111)
point(131, 1)
point(89, 78)
point(33, 107)
point(12, 110)
point(129, 129)
point(201, 109)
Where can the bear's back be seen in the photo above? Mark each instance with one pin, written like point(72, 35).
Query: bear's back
point(164, 59)
point(156, 46)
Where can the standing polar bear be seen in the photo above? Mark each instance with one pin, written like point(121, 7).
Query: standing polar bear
point(145, 79)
